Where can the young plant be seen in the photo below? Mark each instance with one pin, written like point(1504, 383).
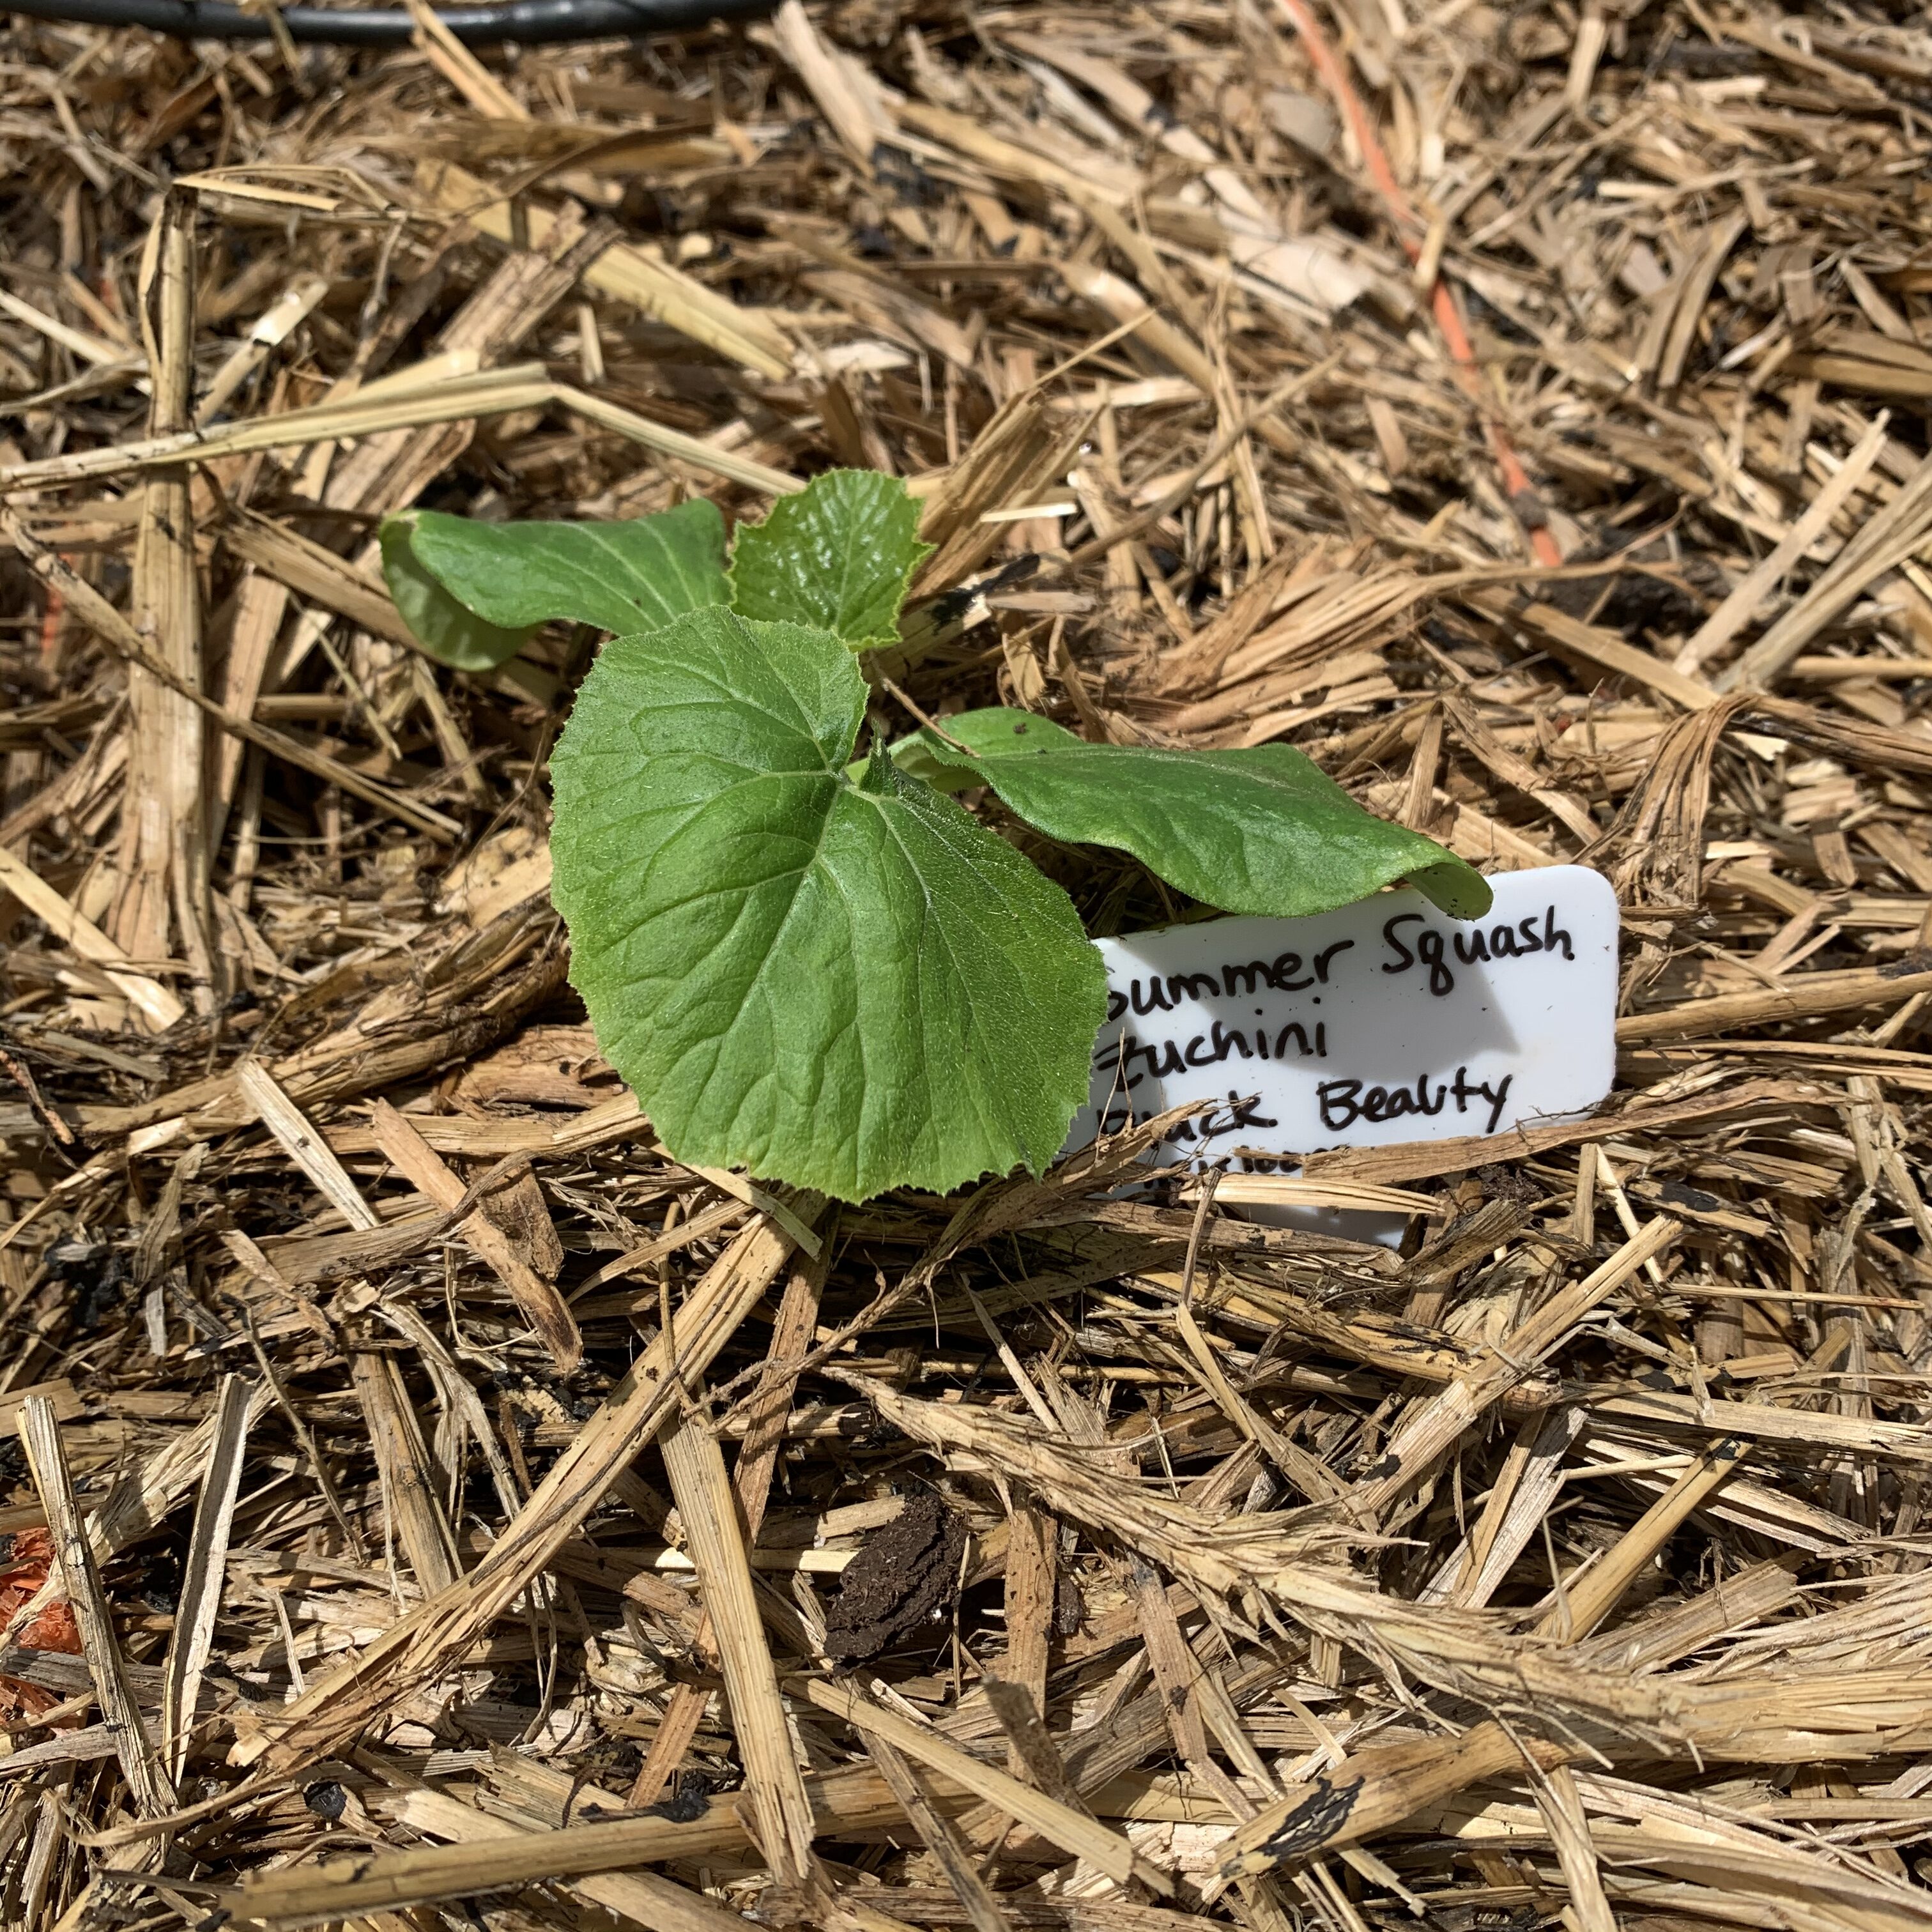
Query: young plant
point(826, 971)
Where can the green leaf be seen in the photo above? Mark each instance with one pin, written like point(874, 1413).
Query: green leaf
point(1260, 831)
point(847, 986)
point(837, 557)
point(449, 633)
point(469, 586)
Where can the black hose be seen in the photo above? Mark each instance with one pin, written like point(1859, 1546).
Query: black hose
point(532, 22)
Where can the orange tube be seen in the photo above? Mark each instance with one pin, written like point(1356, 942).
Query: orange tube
point(1407, 225)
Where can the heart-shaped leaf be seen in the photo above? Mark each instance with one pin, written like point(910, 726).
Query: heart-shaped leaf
point(850, 986)
point(468, 589)
point(1265, 830)
point(838, 557)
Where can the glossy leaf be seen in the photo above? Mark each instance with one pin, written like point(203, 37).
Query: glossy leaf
point(838, 557)
point(511, 577)
point(850, 986)
point(1263, 830)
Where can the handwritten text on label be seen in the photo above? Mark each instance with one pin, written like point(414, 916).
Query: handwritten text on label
point(1385, 1021)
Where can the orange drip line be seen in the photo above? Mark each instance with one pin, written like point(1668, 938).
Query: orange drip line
point(50, 623)
point(1407, 223)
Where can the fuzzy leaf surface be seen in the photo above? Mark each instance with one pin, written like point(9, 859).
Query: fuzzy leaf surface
point(848, 985)
point(838, 557)
point(450, 633)
point(623, 577)
point(1265, 830)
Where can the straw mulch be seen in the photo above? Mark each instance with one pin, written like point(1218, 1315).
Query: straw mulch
point(1521, 410)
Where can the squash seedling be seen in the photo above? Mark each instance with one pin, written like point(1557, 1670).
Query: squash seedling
point(830, 972)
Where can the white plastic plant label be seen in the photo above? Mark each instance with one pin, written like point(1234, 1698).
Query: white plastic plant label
point(1385, 1021)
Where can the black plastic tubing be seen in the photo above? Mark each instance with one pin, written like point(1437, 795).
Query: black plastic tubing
point(531, 22)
